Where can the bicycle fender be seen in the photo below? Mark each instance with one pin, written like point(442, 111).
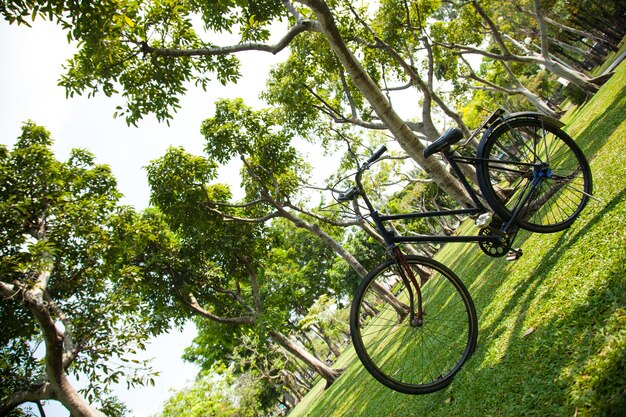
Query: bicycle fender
point(534, 115)
point(521, 115)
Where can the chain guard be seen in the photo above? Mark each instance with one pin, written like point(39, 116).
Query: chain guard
point(495, 249)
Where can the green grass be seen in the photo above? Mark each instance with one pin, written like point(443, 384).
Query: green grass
point(552, 326)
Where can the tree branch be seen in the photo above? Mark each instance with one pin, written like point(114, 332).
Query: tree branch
point(301, 26)
point(542, 30)
point(235, 295)
point(322, 218)
point(495, 32)
point(241, 205)
point(561, 26)
point(20, 397)
point(255, 284)
point(71, 351)
point(490, 85)
point(228, 217)
point(193, 304)
point(9, 291)
point(344, 84)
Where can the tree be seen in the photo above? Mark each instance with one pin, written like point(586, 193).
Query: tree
point(191, 259)
point(272, 173)
point(62, 310)
point(151, 51)
point(328, 321)
point(505, 48)
point(253, 357)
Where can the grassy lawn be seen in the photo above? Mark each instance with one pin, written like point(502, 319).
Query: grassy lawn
point(552, 326)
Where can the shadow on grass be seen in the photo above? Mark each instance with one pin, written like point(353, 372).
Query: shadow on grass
point(549, 362)
point(566, 241)
point(542, 370)
point(573, 362)
point(604, 125)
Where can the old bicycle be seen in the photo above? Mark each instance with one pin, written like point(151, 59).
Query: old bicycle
point(412, 321)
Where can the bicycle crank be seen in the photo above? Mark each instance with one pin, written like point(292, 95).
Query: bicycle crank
point(496, 247)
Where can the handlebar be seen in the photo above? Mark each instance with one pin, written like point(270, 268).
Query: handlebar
point(376, 155)
point(348, 195)
point(353, 192)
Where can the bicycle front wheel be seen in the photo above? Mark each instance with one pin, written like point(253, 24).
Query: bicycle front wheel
point(531, 169)
point(409, 357)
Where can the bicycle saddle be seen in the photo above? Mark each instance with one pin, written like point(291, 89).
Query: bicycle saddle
point(449, 137)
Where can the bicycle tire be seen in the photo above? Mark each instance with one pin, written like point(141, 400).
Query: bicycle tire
point(414, 359)
point(532, 164)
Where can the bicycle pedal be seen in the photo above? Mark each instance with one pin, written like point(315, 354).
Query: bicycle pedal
point(514, 255)
point(484, 220)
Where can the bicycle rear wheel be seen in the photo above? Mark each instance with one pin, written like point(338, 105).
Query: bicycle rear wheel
point(534, 171)
point(413, 358)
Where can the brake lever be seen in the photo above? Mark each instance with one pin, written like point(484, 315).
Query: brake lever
point(348, 195)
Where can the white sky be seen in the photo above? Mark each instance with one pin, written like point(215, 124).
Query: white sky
point(30, 69)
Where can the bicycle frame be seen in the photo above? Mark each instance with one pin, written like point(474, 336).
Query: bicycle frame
point(508, 227)
point(391, 240)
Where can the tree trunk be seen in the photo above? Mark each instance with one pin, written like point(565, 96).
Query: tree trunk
point(372, 93)
point(326, 372)
point(56, 385)
point(303, 380)
point(307, 343)
point(60, 386)
point(542, 58)
point(290, 384)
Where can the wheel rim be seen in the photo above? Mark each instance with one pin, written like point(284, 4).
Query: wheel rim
point(412, 357)
point(541, 166)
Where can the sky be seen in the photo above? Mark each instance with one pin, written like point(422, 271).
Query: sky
point(31, 66)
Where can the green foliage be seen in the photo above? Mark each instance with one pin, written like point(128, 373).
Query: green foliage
point(150, 52)
point(272, 162)
point(59, 218)
point(117, 40)
point(218, 393)
point(344, 279)
point(293, 272)
point(301, 259)
point(312, 87)
point(267, 275)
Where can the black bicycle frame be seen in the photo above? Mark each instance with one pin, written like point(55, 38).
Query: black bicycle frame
point(391, 239)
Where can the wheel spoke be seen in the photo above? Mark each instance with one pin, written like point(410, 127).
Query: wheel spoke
point(559, 168)
point(410, 357)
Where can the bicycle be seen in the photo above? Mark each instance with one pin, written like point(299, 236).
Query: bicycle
point(412, 321)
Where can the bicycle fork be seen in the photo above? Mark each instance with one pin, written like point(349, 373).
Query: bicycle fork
point(416, 312)
point(538, 176)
